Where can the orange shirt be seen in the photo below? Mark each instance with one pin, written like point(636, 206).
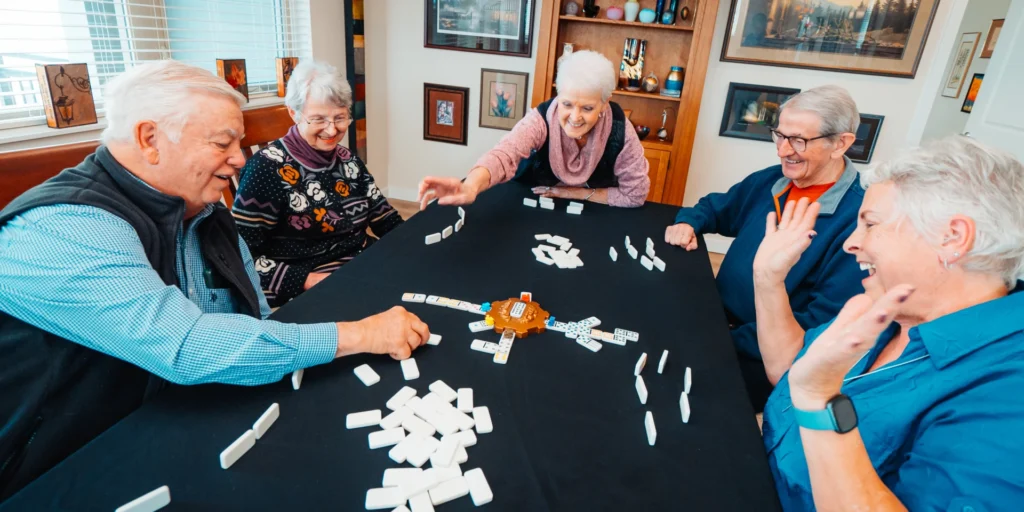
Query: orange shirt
point(812, 193)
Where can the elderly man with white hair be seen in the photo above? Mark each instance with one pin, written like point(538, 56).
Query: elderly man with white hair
point(124, 272)
point(305, 202)
point(910, 398)
point(578, 146)
point(815, 129)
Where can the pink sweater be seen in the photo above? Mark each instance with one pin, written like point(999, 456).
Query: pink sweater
point(571, 164)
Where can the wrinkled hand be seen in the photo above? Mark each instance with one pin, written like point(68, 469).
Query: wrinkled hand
point(784, 242)
point(563, 192)
point(448, 191)
point(818, 376)
point(314, 279)
point(396, 332)
point(681, 235)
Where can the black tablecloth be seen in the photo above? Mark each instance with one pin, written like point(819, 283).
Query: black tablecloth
point(568, 426)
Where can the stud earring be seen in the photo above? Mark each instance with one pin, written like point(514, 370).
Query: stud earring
point(956, 254)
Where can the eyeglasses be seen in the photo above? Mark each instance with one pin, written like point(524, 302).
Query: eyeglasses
point(320, 123)
point(799, 144)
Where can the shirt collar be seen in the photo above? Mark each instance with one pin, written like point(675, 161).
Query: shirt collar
point(955, 335)
point(829, 201)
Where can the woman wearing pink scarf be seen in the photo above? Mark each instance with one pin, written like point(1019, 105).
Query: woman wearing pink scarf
point(577, 146)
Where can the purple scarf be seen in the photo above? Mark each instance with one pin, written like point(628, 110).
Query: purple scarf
point(310, 157)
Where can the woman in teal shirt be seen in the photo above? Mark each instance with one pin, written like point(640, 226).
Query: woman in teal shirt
point(911, 397)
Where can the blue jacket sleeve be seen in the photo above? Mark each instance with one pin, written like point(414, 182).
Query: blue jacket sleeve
point(723, 213)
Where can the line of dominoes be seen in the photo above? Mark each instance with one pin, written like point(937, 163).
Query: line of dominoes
point(434, 238)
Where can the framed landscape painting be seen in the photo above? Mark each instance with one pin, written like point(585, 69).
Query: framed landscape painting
point(502, 98)
point(876, 37)
point(751, 111)
point(487, 26)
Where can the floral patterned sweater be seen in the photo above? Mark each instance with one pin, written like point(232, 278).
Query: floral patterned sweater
point(298, 220)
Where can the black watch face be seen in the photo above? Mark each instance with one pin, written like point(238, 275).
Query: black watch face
point(844, 413)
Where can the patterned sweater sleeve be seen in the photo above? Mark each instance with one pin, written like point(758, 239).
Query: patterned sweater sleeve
point(383, 216)
point(260, 204)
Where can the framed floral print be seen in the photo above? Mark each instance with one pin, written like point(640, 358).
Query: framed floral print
point(503, 99)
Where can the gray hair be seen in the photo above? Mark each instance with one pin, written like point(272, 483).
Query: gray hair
point(317, 81)
point(958, 175)
point(586, 71)
point(158, 91)
point(832, 104)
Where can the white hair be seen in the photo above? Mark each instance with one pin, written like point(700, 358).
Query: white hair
point(586, 71)
point(317, 81)
point(958, 175)
point(158, 91)
point(832, 104)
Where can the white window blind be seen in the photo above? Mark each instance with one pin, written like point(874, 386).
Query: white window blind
point(114, 35)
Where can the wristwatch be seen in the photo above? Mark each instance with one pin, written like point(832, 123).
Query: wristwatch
point(838, 416)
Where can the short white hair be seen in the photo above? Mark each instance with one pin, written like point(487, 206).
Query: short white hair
point(958, 175)
point(832, 104)
point(317, 81)
point(159, 91)
point(586, 71)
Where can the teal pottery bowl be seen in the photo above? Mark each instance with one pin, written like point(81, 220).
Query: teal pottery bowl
point(647, 16)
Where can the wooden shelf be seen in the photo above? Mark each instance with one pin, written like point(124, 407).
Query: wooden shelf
point(636, 24)
point(652, 142)
point(649, 95)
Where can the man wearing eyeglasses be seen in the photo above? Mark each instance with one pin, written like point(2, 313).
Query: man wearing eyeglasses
point(815, 129)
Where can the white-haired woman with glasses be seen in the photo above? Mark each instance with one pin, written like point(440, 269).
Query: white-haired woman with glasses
point(910, 398)
point(815, 129)
point(305, 201)
point(577, 146)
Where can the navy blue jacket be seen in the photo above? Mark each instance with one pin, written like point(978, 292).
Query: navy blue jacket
point(820, 283)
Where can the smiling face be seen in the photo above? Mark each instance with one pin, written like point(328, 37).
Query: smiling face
point(316, 128)
point(578, 112)
point(810, 166)
point(201, 164)
point(890, 249)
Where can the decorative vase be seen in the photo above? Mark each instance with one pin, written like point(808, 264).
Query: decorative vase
point(642, 131)
point(566, 52)
point(647, 16)
point(650, 83)
point(673, 83)
point(658, 8)
point(669, 16)
point(632, 8)
point(614, 13)
point(590, 9)
point(572, 9)
point(663, 132)
point(631, 71)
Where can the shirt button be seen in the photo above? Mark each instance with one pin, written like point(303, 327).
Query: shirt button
point(191, 292)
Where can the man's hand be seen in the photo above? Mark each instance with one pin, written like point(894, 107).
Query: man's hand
point(682, 235)
point(396, 332)
point(783, 243)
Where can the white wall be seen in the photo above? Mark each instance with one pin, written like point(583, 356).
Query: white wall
point(946, 117)
point(719, 162)
point(397, 67)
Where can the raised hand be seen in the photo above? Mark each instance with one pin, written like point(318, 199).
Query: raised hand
point(447, 191)
point(784, 242)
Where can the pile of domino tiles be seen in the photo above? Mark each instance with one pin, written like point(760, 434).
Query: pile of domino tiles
point(641, 392)
point(558, 251)
point(410, 431)
point(447, 232)
point(649, 259)
point(547, 203)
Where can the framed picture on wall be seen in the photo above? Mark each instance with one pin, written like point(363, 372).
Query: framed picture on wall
point(487, 26)
point(972, 93)
point(752, 110)
point(993, 37)
point(962, 59)
point(445, 116)
point(867, 134)
point(233, 72)
point(502, 98)
point(849, 36)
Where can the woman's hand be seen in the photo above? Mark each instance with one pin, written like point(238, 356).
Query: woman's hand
point(818, 376)
point(453, 191)
point(575, 193)
point(784, 242)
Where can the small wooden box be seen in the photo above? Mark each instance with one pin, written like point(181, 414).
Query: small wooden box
point(285, 66)
point(66, 94)
point(233, 72)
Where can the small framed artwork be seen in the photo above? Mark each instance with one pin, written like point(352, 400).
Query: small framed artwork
point(848, 36)
point(867, 134)
point(285, 66)
point(502, 98)
point(66, 94)
point(233, 72)
point(445, 116)
point(972, 93)
point(961, 63)
point(993, 37)
point(487, 26)
point(752, 110)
